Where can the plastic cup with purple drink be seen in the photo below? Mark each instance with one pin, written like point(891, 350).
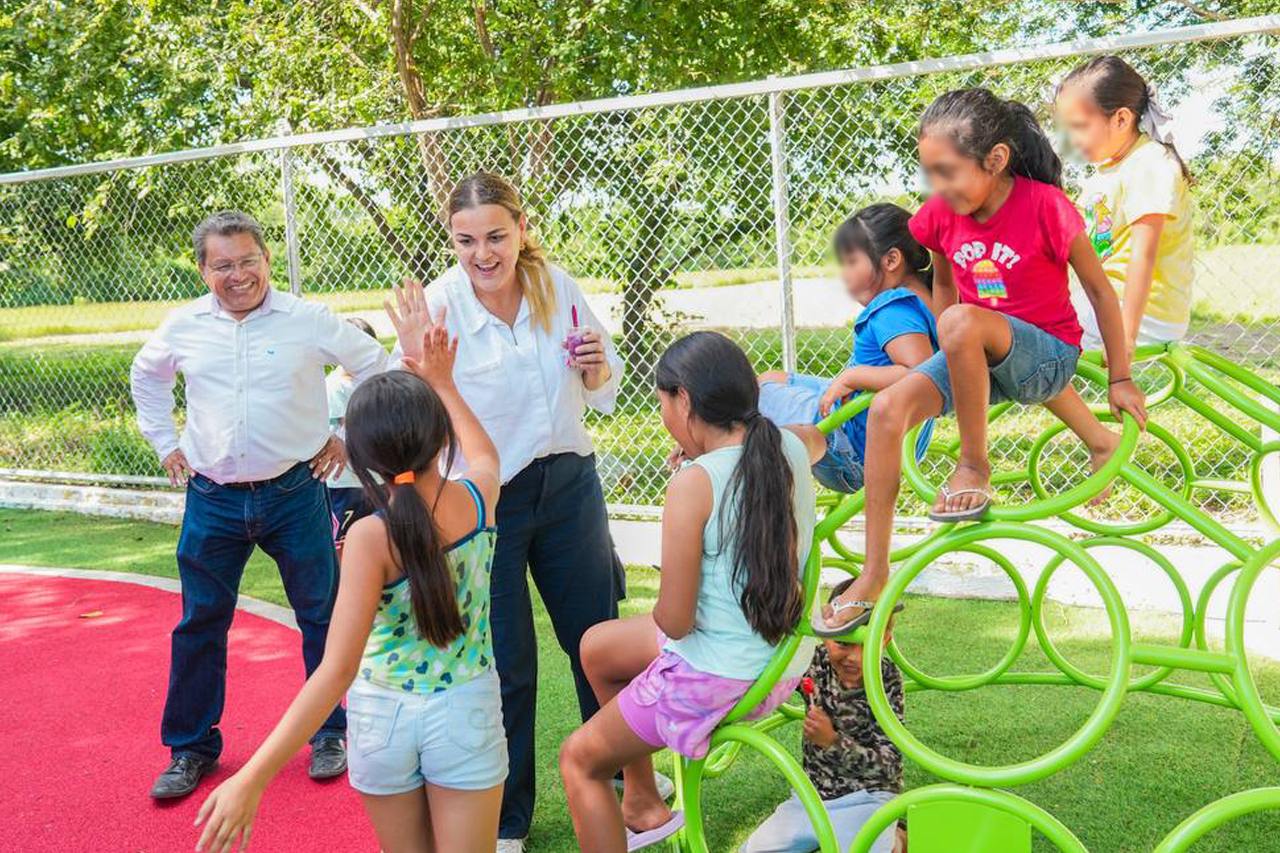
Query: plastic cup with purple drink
point(574, 339)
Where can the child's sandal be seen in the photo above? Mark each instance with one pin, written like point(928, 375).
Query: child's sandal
point(826, 632)
point(639, 840)
point(973, 513)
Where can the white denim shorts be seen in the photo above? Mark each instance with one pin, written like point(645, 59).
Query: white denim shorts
point(399, 741)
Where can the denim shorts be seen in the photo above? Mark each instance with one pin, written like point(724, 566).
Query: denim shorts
point(796, 402)
point(1037, 368)
point(400, 741)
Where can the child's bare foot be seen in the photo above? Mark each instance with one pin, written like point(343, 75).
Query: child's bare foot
point(643, 816)
point(1098, 457)
point(966, 494)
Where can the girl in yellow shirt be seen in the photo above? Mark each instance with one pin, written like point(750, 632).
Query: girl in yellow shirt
point(1135, 201)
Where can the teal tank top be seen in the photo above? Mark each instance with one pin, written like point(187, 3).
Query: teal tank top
point(722, 642)
point(396, 657)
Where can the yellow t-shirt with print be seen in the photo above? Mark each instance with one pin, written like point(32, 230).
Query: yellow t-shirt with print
point(1147, 181)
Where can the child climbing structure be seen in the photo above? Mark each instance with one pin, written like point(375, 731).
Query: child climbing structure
point(972, 812)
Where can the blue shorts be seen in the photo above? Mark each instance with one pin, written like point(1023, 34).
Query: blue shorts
point(349, 506)
point(796, 402)
point(1037, 368)
point(400, 741)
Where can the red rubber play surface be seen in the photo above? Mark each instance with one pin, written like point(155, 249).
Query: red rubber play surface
point(80, 725)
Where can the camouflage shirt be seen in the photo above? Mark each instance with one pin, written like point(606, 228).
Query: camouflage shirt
point(862, 758)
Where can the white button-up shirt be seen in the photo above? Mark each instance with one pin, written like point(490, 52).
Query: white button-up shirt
point(515, 377)
point(254, 387)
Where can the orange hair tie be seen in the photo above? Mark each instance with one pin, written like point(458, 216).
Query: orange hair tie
point(404, 478)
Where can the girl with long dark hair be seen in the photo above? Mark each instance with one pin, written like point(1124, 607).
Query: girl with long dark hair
point(410, 630)
point(736, 529)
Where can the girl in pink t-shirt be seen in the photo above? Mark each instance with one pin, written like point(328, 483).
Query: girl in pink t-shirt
point(1001, 233)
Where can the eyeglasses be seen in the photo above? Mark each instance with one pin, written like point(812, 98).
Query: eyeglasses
point(244, 265)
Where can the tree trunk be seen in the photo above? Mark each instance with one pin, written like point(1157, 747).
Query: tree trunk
point(334, 170)
point(433, 160)
point(645, 274)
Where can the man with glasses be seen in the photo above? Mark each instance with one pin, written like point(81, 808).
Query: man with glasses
point(254, 455)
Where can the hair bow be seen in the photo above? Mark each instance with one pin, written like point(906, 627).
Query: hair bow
point(1155, 122)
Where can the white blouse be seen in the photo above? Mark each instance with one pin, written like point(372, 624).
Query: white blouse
point(515, 377)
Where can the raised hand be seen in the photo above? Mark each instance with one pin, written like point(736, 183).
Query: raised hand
point(435, 366)
point(411, 317)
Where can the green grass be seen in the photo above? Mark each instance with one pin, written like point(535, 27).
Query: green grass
point(1162, 759)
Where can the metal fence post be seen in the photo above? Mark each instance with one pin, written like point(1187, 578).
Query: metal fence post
point(782, 226)
point(290, 212)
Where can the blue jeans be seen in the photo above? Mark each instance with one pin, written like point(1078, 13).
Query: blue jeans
point(796, 402)
point(291, 520)
point(1036, 368)
point(553, 526)
point(789, 830)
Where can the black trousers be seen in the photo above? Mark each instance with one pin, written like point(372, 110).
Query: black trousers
point(552, 527)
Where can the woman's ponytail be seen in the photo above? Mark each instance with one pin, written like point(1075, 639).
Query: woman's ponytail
point(397, 429)
point(723, 392)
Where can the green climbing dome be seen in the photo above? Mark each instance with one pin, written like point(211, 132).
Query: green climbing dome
point(972, 812)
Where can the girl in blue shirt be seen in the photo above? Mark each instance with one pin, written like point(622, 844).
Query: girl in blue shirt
point(885, 269)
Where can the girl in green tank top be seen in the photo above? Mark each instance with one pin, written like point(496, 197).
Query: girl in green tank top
point(410, 626)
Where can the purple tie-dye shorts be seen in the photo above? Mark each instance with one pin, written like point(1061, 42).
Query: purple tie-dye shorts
point(672, 704)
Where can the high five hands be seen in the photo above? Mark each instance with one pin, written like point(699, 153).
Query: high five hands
point(412, 320)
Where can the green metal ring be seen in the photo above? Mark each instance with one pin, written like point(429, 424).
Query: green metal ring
point(1255, 485)
point(1136, 528)
point(1215, 815)
point(1071, 670)
point(1247, 695)
point(1054, 505)
point(1054, 760)
point(692, 837)
point(1219, 680)
point(970, 682)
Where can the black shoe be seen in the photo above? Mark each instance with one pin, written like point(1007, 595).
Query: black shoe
point(328, 758)
point(182, 776)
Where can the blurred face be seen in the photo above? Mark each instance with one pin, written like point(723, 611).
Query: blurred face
point(1097, 136)
point(964, 183)
point(861, 278)
point(675, 412)
point(487, 240)
point(237, 271)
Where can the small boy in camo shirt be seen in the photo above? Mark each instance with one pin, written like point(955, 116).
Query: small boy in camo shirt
point(851, 762)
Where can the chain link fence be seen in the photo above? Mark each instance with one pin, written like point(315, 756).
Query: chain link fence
point(707, 208)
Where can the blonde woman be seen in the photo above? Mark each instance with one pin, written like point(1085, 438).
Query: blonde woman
point(512, 313)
